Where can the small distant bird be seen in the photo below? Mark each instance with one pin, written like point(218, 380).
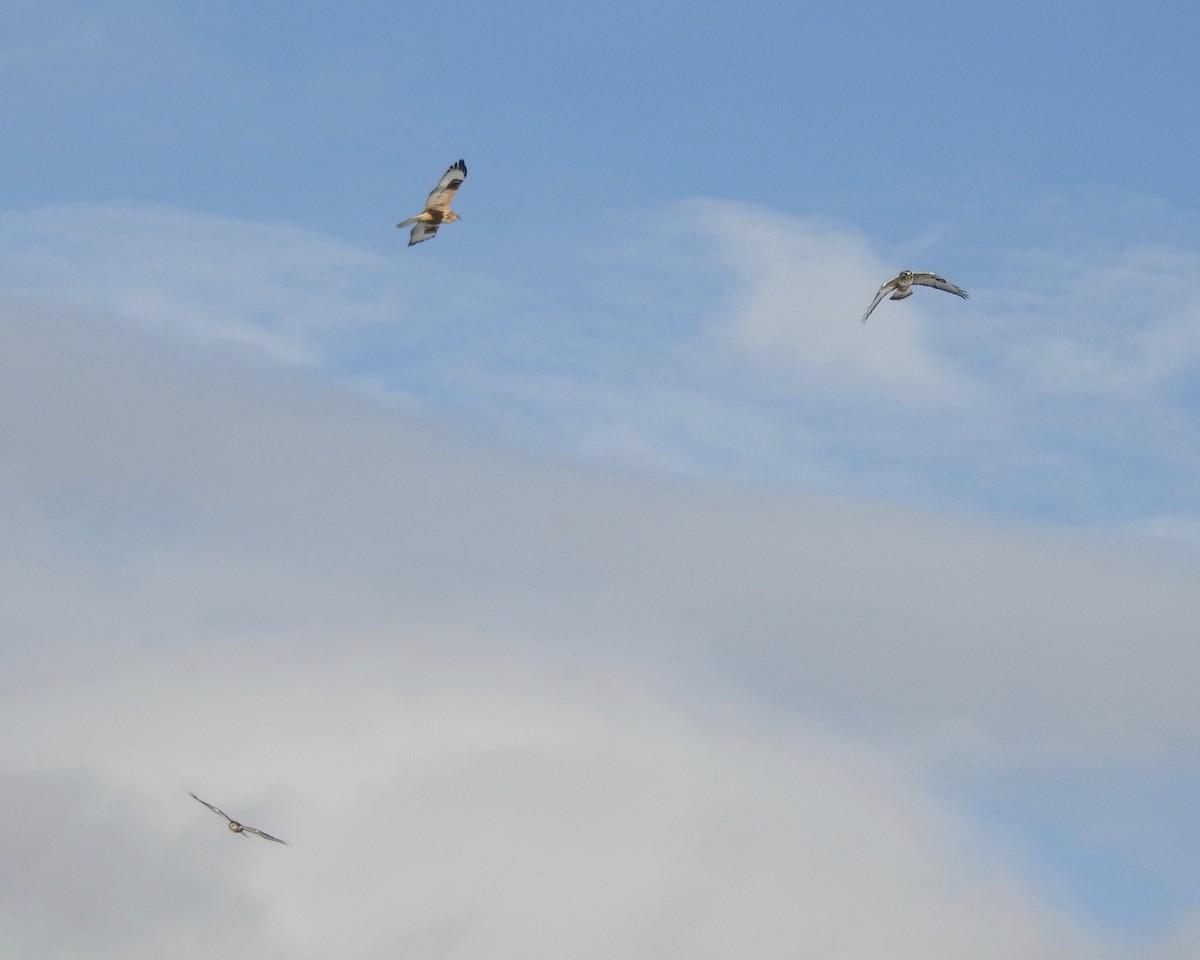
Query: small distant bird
point(234, 825)
point(901, 286)
point(437, 205)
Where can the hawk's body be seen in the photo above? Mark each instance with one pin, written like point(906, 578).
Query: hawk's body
point(901, 286)
point(437, 205)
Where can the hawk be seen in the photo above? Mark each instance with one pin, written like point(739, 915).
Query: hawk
point(437, 205)
point(234, 825)
point(901, 286)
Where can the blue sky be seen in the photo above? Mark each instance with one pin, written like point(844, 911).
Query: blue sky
point(630, 440)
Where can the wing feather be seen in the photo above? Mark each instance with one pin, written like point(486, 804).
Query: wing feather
point(422, 231)
point(211, 807)
point(444, 192)
point(265, 836)
point(939, 283)
point(882, 292)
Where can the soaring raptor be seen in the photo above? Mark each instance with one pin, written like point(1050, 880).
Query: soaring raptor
point(901, 286)
point(437, 205)
point(234, 825)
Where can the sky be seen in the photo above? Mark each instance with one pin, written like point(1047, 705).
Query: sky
point(588, 579)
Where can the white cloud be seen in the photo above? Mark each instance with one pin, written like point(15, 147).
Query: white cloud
point(1116, 324)
point(216, 279)
point(496, 701)
point(444, 797)
point(697, 348)
point(219, 492)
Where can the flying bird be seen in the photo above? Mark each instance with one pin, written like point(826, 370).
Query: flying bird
point(437, 205)
point(901, 286)
point(234, 825)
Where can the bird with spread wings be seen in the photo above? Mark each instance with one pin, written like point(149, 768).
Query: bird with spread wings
point(234, 825)
point(437, 206)
point(901, 286)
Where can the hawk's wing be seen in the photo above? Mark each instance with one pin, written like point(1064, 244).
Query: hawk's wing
point(941, 283)
point(883, 292)
point(422, 231)
point(444, 192)
point(265, 836)
point(211, 807)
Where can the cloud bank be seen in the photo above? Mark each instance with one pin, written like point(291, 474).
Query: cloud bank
point(495, 700)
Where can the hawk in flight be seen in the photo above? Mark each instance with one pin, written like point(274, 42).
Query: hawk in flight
point(437, 206)
point(901, 286)
point(234, 825)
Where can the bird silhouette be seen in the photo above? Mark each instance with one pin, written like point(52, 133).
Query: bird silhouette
point(901, 286)
point(234, 825)
point(437, 205)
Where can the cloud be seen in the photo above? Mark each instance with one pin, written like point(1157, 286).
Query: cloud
point(445, 793)
point(218, 489)
point(183, 474)
point(1118, 324)
point(518, 702)
point(272, 286)
point(697, 347)
point(1178, 532)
